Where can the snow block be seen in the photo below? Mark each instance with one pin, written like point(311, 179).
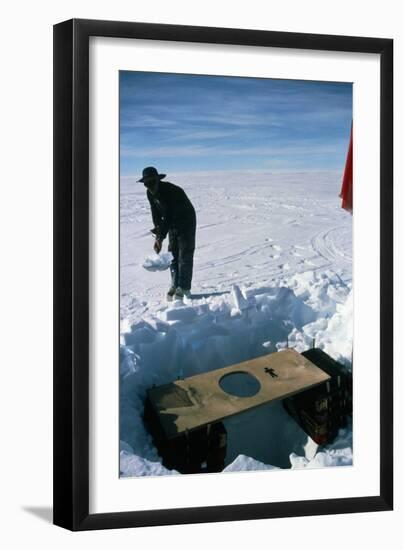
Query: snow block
point(286, 305)
point(128, 362)
point(202, 309)
point(140, 325)
point(185, 314)
point(143, 335)
point(158, 324)
point(239, 300)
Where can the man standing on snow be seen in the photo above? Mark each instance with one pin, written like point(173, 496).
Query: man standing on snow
point(173, 215)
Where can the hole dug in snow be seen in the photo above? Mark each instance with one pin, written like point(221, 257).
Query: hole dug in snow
point(224, 330)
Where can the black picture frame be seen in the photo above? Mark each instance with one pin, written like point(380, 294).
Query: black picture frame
point(71, 273)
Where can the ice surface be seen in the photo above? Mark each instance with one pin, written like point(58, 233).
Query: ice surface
point(272, 265)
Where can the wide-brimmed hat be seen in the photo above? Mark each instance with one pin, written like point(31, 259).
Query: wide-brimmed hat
point(151, 172)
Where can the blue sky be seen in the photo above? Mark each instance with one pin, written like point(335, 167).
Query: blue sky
point(197, 123)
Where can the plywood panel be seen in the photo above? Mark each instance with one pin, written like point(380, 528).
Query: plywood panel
point(199, 400)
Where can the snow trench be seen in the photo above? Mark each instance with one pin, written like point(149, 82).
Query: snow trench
point(214, 331)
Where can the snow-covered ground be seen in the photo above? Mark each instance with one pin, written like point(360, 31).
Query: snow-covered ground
point(273, 263)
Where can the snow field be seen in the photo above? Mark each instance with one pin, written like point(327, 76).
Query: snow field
point(272, 267)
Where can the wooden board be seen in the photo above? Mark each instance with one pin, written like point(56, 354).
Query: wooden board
point(199, 400)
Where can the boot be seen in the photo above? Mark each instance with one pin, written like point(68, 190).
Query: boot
point(181, 293)
point(171, 293)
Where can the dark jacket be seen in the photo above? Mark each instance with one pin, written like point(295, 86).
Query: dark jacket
point(171, 209)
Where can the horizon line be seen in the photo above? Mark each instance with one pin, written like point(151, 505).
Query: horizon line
point(245, 170)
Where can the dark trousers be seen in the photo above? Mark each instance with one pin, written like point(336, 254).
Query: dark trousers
point(182, 247)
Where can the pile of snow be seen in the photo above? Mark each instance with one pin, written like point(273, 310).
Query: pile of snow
point(158, 262)
point(244, 463)
point(132, 465)
point(338, 453)
point(219, 330)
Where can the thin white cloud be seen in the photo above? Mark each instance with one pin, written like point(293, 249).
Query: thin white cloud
point(200, 151)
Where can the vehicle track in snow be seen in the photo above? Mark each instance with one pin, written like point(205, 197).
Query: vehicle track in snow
point(329, 244)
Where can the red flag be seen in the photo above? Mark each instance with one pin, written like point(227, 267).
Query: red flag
point(346, 193)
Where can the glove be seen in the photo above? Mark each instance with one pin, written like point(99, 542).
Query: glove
point(157, 246)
